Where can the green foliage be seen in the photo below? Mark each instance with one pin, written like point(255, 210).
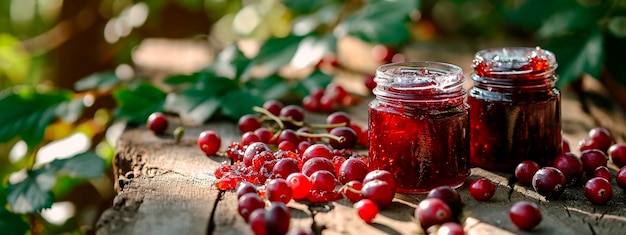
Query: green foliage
point(83, 165)
point(12, 224)
point(100, 81)
point(136, 103)
point(382, 21)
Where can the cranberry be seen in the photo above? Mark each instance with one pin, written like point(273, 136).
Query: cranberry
point(292, 113)
point(603, 172)
point(450, 196)
point(278, 190)
point(317, 164)
point(565, 145)
point(525, 215)
point(366, 209)
point(601, 137)
point(525, 170)
point(317, 150)
point(245, 187)
point(352, 191)
point(289, 136)
point(620, 177)
point(248, 203)
point(209, 142)
point(300, 185)
point(617, 153)
point(257, 221)
point(273, 106)
point(264, 134)
point(277, 219)
point(549, 182)
point(157, 123)
point(381, 175)
point(249, 138)
point(349, 138)
point(482, 189)
point(285, 167)
point(571, 166)
point(310, 103)
point(432, 211)
point(323, 180)
point(248, 122)
point(252, 150)
point(450, 228)
point(592, 159)
point(352, 169)
point(337, 118)
point(598, 190)
point(378, 191)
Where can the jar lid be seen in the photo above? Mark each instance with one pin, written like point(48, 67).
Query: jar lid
point(419, 75)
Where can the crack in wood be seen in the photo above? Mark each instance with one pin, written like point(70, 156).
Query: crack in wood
point(211, 226)
point(593, 232)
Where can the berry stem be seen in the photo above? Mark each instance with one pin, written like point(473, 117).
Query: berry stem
point(321, 126)
point(322, 135)
point(349, 188)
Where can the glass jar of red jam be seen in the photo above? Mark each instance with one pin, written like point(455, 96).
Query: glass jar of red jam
point(515, 112)
point(419, 125)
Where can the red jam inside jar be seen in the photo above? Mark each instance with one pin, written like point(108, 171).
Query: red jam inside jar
point(419, 125)
point(515, 112)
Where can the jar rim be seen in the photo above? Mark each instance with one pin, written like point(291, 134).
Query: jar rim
point(419, 75)
point(503, 61)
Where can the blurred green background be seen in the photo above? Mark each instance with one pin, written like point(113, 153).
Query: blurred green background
point(76, 72)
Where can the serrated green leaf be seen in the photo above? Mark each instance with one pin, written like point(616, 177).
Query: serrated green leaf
point(270, 88)
point(83, 165)
point(381, 21)
point(33, 193)
point(577, 54)
point(12, 224)
point(136, 103)
point(276, 52)
point(570, 20)
point(28, 113)
point(238, 103)
point(100, 81)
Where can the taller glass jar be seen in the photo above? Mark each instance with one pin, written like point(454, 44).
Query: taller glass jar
point(418, 125)
point(515, 108)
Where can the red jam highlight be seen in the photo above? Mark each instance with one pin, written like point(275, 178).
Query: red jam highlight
point(515, 110)
point(419, 125)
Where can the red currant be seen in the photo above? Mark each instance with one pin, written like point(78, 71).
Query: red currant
point(525, 215)
point(617, 153)
point(264, 134)
point(338, 117)
point(157, 123)
point(209, 142)
point(310, 103)
point(482, 189)
point(524, 172)
point(366, 209)
point(432, 211)
point(273, 106)
point(378, 191)
point(598, 190)
point(293, 113)
point(248, 122)
point(549, 182)
point(300, 185)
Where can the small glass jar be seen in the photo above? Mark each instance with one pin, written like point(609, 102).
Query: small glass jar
point(515, 110)
point(419, 125)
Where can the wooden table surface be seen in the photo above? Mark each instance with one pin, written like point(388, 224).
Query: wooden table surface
point(168, 188)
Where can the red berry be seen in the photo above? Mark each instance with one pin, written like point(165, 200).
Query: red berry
point(209, 142)
point(592, 159)
point(264, 134)
point(300, 185)
point(249, 137)
point(273, 106)
point(432, 211)
point(620, 178)
point(285, 167)
point(525, 215)
point(598, 190)
point(277, 219)
point(248, 122)
point(447, 194)
point(450, 228)
point(381, 175)
point(571, 166)
point(292, 112)
point(370, 83)
point(248, 203)
point(323, 180)
point(245, 187)
point(348, 136)
point(601, 137)
point(602, 172)
point(382, 54)
point(252, 150)
point(286, 146)
point(549, 182)
point(482, 189)
point(565, 145)
point(328, 104)
point(311, 104)
point(338, 117)
point(617, 153)
point(366, 209)
point(378, 191)
point(317, 150)
point(289, 136)
point(352, 191)
point(277, 190)
point(352, 169)
point(317, 164)
point(257, 221)
point(157, 123)
point(524, 172)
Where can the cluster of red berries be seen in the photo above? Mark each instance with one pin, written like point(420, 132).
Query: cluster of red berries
point(569, 169)
point(329, 99)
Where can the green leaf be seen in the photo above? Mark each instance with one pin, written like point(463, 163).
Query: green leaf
point(531, 13)
point(304, 5)
point(570, 20)
point(269, 88)
point(83, 165)
point(12, 224)
point(70, 111)
point(317, 79)
point(238, 103)
point(577, 54)
point(33, 193)
point(231, 62)
point(381, 21)
point(136, 103)
point(181, 79)
point(100, 81)
point(276, 52)
point(28, 113)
